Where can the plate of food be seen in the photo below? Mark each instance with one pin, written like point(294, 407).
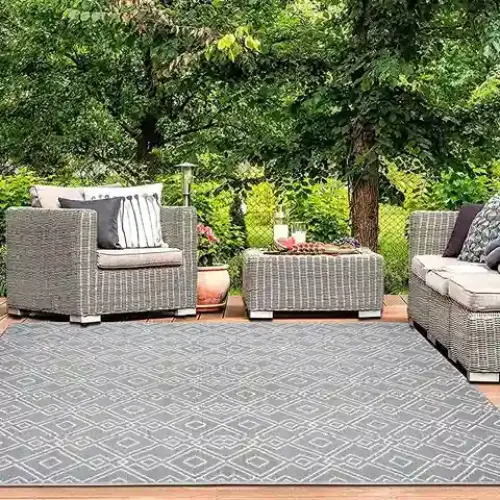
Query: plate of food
point(290, 246)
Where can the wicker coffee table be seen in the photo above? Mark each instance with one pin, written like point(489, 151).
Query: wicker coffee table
point(352, 282)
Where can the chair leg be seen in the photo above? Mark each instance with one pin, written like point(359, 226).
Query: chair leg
point(377, 313)
point(85, 320)
point(260, 314)
point(185, 312)
point(13, 311)
point(483, 377)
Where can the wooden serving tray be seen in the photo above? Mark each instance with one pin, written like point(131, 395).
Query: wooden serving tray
point(346, 251)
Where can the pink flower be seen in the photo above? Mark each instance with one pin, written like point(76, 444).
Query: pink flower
point(207, 232)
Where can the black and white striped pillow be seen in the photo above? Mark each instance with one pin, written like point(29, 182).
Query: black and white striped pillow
point(139, 218)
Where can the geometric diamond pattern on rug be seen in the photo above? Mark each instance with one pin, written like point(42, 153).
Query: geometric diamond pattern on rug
point(218, 403)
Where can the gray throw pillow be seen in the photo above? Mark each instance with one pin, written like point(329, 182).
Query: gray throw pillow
point(491, 246)
point(493, 258)
point(108, 211)
point(484, 229)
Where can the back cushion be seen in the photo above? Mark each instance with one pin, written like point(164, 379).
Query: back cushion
point(139, 219)
point(484, 229)
point(48, 196)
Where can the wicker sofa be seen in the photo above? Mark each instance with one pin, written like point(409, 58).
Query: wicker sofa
point(457, 303)
point(54, 266)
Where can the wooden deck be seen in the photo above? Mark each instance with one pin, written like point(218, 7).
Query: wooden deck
point(394, 310)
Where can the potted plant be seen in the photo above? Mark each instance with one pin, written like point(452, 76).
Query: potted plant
point(213, 280)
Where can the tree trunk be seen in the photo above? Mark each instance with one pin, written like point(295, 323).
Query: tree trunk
point(148, 139)
point(364, 196)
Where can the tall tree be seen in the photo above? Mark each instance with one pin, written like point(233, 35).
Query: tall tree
point(304, 87)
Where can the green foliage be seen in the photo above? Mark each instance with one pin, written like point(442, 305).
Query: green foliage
point(214, 210)
point(3, 271)
point(93, 91)
point(172, 189)
point(259, 219)
point(454, 188)
point(327, 213)
point(408, 178)
point(235, 274)
point(322, 206)
point(450, 190)
point(14, 192)
point(393, 245)
point(207, 246)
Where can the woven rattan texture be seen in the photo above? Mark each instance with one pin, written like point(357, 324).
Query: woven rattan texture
point(313, 283)
point(52, 266)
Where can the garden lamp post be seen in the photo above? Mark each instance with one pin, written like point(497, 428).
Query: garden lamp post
point(187, 176)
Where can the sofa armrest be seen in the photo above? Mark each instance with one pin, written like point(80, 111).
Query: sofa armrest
point(179, 230)
point(429, 232)
point(52, 260)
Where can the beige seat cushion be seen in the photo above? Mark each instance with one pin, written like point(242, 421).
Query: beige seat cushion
point(478, 293)
point(48, 196)
point(439, 280)
point(422, 264)
point(134, 258)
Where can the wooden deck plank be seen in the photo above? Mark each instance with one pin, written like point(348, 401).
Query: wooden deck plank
point(161, 318)
point(393, 300)
point(395, 313)
point(256, 493)
point(212, 316)
point(3, 307)
point(186, 319)
point(395, 309)
point(7, 321)
point(235, 309)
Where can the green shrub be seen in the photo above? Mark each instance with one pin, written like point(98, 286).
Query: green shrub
point(3, 272)
point(260, 236)
point(327, 211)
point(235, 274)
point(393, 245)
point(406, 175)
point(15, 192)
point(172, 189)
point(454, 188)
point(213, 207)
point(259, 219)
point(323, 206)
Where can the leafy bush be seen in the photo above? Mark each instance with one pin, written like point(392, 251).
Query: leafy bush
point(259, 219)
point(454, 188)
point(327, 211)
point(393, 245)
point(172, 189)
point(3, 272)
point(14, 192)
point(323, 206)
point(407, 177)
point(235, 274)
point(213, 207)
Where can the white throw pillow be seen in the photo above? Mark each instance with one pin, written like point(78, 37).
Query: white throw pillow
point(139, 219)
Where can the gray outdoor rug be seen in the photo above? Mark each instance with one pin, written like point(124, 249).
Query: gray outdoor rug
point(219, 403)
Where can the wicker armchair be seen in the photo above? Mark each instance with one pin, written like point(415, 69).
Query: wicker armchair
point(52, 267)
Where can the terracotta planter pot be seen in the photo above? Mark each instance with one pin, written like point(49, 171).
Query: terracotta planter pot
point(213, 287)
